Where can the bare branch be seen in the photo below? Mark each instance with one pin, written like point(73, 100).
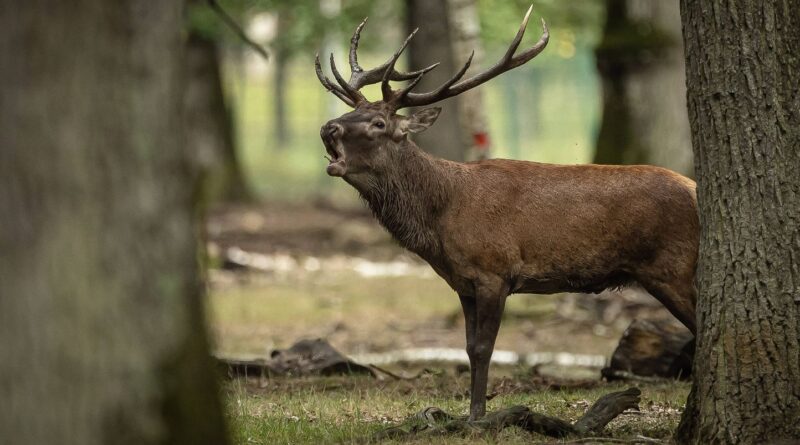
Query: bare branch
point(237, 29)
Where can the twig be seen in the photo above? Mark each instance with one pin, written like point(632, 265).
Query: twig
point(391, 374)
point(237, 29)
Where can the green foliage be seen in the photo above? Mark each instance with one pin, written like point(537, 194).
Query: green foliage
point(500, 18)
point(303, 24)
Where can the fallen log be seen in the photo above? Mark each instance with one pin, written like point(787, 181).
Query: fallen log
point(652, 349)
point(434, 421)
point(306, 357)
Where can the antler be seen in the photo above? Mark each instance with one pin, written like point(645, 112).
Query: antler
point(350, 94)
point(348, 91)
point(509, 61)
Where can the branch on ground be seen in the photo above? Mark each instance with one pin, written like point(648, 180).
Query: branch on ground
point(433, 421)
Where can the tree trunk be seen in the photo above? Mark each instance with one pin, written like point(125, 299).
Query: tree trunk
point(744, 110)
point(433, 44)
point(209, 124)
point(640, 60)
point(280, 64)
point(100, 310)
point(465, 35)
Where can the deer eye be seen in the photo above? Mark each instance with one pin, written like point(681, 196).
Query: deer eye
point(379, 124)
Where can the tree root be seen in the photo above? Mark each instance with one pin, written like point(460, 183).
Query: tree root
point(433, 421)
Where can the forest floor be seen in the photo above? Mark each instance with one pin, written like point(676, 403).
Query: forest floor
point(283, 273)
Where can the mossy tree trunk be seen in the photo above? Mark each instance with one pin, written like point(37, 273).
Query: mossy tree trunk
point(100, 310)
point(640, 61)
point(744, 110)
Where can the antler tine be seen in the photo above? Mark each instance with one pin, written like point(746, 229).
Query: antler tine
point(354, 66)
point(404, 92)
point(385, 88)
point(360, 78)
point(533, 51)
point(341, 94)
point(507, 62)
point(512, 48)
point(352, 91)
point(458, 75)
point(348, 91)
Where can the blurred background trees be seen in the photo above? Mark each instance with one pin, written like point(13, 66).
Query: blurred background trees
point(208, 114)
point(546, 111)
point(640, 61)
point(608, 89)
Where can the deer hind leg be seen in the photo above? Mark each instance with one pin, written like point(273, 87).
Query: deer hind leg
point(676, 292)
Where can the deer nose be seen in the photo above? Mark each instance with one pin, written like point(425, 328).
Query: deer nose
point(331, 129)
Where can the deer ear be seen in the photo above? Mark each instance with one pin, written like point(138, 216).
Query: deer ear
point(421, 120)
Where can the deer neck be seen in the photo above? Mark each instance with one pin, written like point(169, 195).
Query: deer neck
point(409, 197)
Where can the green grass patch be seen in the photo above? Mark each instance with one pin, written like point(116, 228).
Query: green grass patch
point(351, 409)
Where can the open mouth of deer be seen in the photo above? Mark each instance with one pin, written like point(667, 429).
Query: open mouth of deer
point(336, 163)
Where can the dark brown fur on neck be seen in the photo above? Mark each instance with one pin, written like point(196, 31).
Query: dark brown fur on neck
point(408, 199)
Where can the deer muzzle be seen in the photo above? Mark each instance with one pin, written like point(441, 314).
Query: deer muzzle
point(331, 134)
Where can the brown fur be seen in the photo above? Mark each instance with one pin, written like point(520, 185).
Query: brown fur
point(497, 227)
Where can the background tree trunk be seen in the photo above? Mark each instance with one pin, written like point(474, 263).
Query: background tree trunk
point(433, 44)
point(209, 124)
point(99, 291)
point(640, 60)
point(280, 63)
point(742, 69)
point(465, 36)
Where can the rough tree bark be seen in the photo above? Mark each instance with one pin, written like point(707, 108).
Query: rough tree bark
point(433, 44)
point(640, 60)
point(744, 110)
point(100, 316)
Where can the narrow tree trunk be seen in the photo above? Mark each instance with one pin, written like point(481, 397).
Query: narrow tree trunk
point(280, 64)
point(209, 124)
point(640, 60)
point(433, 44)
point(744, 110)
point(100, 311)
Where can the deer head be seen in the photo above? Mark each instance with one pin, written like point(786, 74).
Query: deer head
point(365, 140)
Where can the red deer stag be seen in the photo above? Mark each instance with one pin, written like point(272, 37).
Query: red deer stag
point(497, 227)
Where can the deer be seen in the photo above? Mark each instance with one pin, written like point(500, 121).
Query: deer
point(498, 227)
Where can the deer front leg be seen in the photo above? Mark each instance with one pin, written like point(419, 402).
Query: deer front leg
point(470, 319)
point(489, 311)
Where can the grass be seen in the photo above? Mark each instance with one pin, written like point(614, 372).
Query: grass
point(351, 409)
point(251, 318)
point(358, 314)
point(276, 311)
point(254, 312)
